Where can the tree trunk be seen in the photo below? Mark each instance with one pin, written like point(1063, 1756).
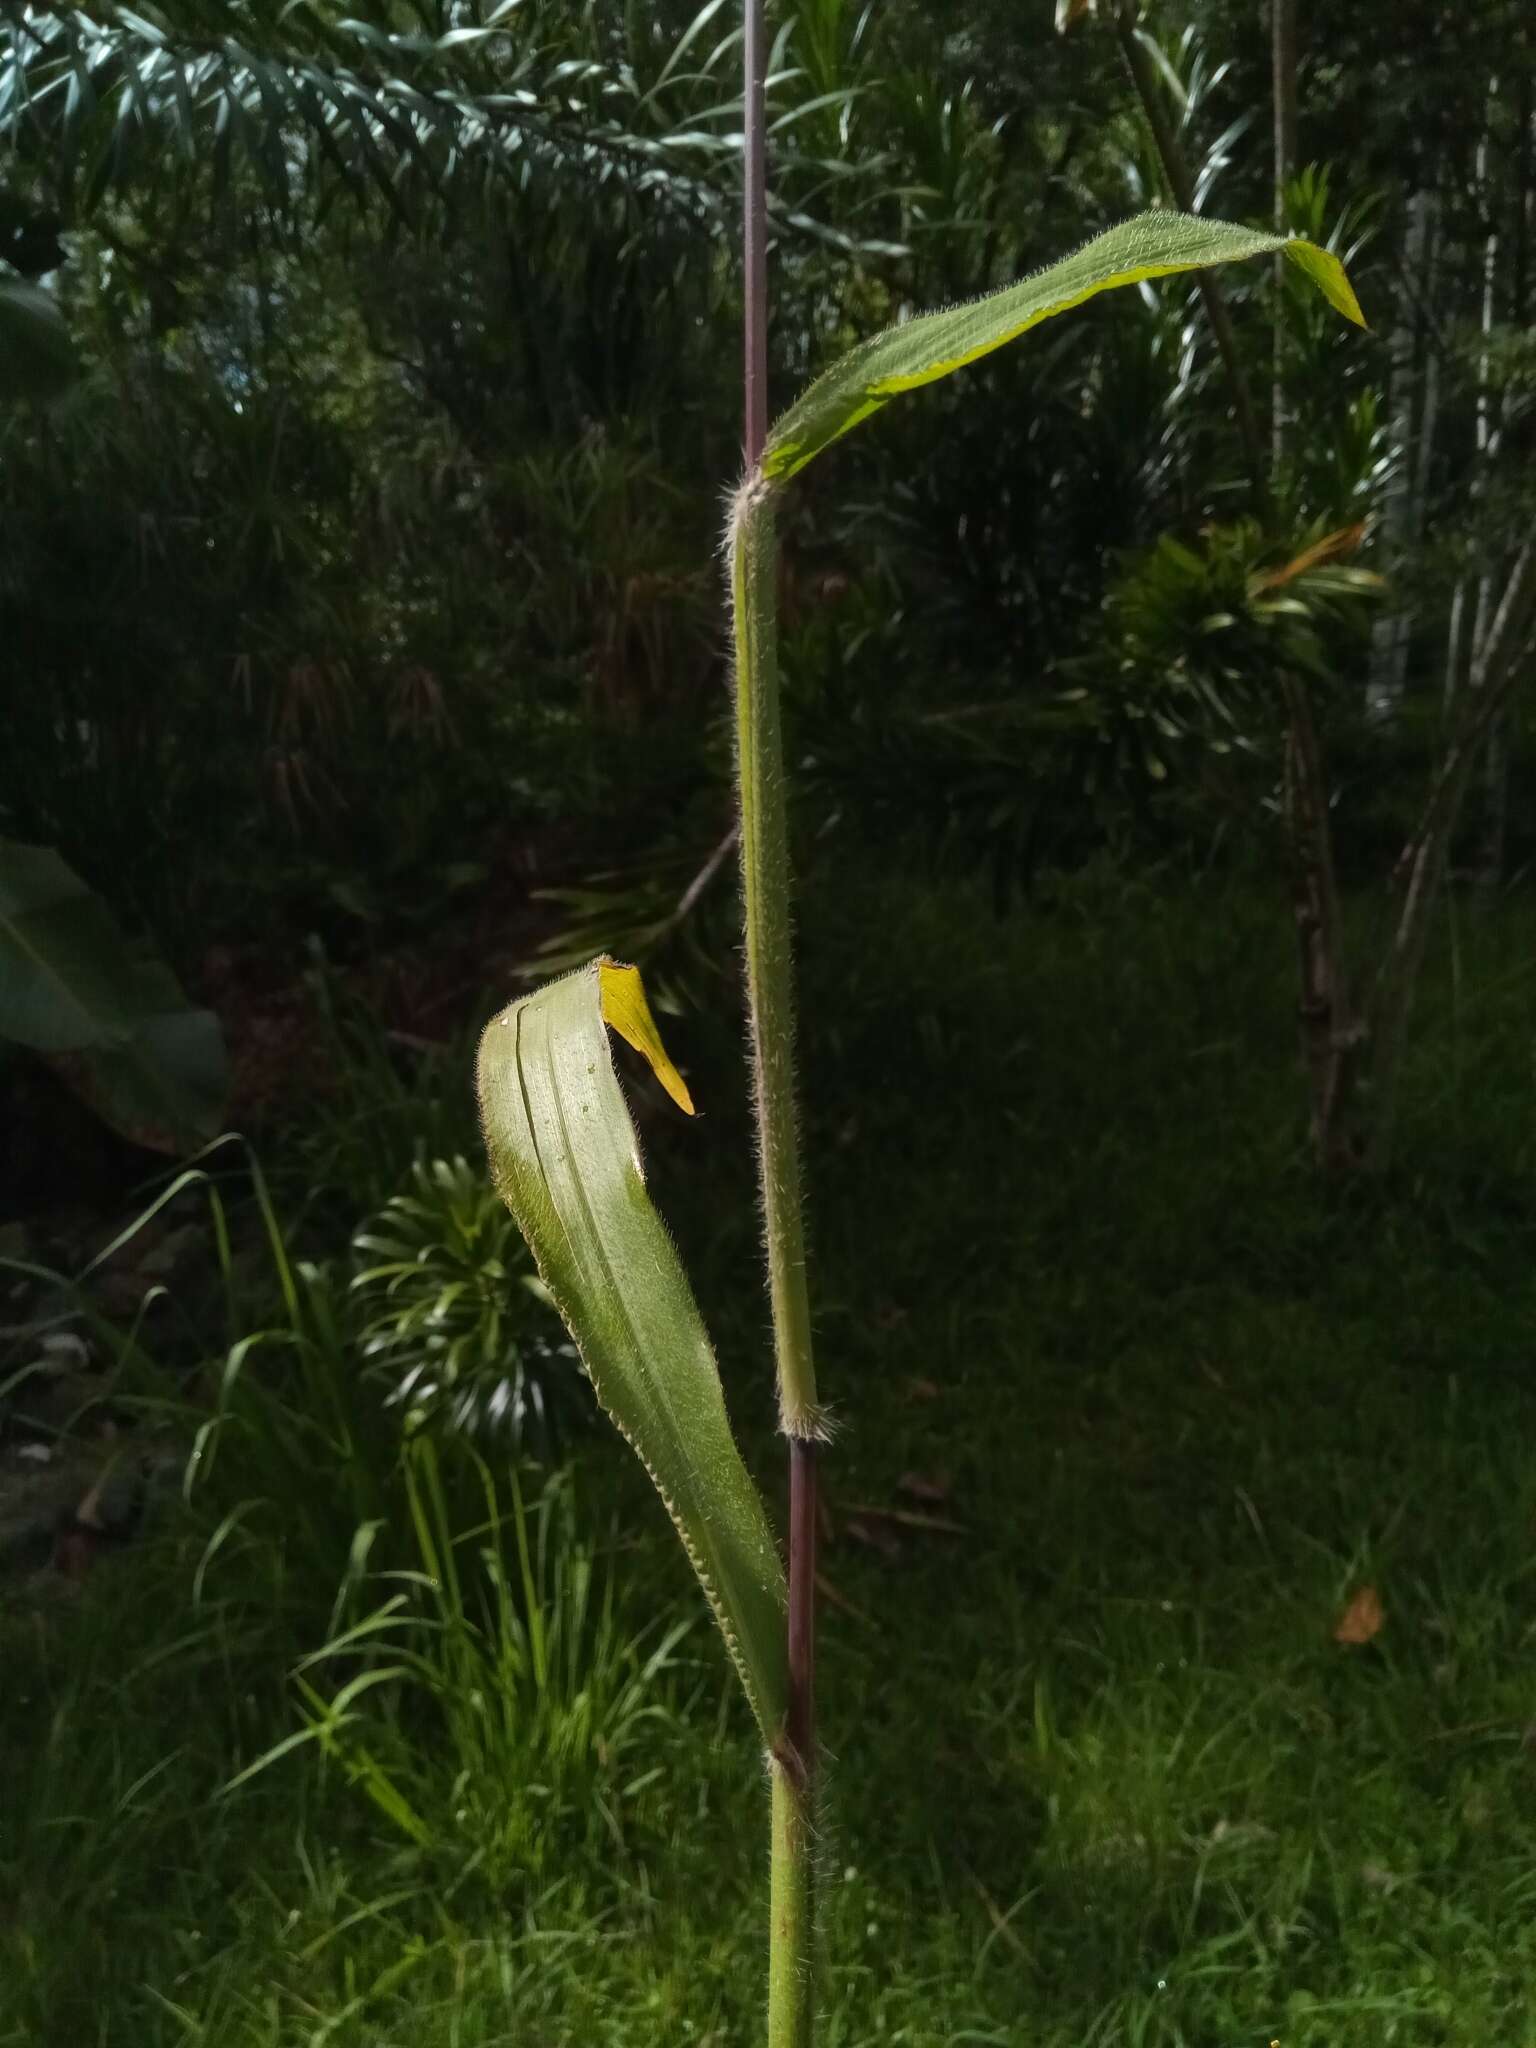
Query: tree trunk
point(1330, 1032)
point(1454, 637)
point(1490, 854)
point(1333, 1038)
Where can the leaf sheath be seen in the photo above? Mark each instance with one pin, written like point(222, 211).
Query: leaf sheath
point(770, 992)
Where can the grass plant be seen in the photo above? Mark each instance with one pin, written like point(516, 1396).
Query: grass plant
point(562, 1146)
point(1105, 1775)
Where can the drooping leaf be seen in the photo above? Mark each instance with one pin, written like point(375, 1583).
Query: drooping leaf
point(63, 988)
point(166, 1085)
point(922, 350)
point(110, 1018)
point(566, 1161)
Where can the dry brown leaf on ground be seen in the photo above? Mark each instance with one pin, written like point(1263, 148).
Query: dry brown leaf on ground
point(1362, 1619)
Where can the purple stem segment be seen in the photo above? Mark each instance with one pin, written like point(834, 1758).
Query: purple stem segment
point(755, 236)
point(804, 1513)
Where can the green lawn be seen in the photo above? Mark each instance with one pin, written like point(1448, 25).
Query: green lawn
point(1099, 1772)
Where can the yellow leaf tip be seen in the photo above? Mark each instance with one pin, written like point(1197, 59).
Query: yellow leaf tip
point(627, 1012)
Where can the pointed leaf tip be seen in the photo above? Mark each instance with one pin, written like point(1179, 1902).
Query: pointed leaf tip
point(625, 1010)
point(1330, 277)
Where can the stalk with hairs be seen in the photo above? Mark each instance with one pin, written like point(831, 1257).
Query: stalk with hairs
point(561, 1143)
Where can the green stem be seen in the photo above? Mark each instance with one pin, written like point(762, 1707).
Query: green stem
point(771, 1011)
point(770, 1001)
point(791, 1977)
point(770, 990)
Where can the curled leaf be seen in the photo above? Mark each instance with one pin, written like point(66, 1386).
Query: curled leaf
point(626, 1011)
point(567, 1163)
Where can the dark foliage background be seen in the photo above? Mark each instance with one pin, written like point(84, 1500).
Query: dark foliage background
point(363, 650)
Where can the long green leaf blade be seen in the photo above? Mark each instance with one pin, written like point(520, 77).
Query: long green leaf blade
point(567, 1164)
point(109, 1016)
point(922, 350)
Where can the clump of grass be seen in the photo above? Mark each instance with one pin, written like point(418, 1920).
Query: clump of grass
point(331, 1607)
point(495, 1658)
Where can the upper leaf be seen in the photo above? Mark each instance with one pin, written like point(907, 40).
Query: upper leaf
point(922, 350)
point(566, 1162)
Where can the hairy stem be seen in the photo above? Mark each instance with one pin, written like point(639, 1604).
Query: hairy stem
point(770, 991)
point(792, 1965)
point(791, 1948)
point(770, 1009)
